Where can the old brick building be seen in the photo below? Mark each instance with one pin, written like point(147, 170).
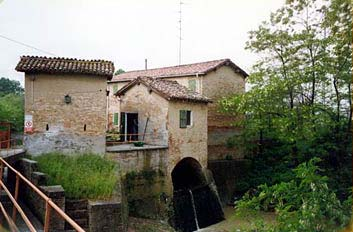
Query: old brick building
point(177, 118)
point(213, 79)
point(172, 121)
point(65, 104)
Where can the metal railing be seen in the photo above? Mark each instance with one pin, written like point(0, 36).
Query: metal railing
point(49, 204)
point(10, 146)
point(131, 138)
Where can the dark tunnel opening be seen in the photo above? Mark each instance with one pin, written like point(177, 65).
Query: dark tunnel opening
point(187, 174)
point(196, 204)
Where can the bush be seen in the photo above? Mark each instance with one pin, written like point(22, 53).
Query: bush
point(84, 176)
point(303, 204)
point(12, 110)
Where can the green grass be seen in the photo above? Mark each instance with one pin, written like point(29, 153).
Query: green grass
point(84, 176)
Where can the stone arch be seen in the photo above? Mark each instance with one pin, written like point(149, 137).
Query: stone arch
point(196, 204)
point(188, 174)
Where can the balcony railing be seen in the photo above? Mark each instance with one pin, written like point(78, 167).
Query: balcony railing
point(151, 138)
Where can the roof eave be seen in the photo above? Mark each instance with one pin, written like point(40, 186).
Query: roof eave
point(109, 77)
point(161, 77)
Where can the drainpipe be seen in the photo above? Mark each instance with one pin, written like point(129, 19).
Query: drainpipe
point(200, 82)
point(107, 110)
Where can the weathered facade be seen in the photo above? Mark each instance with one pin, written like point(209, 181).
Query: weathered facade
point(175, 146)
point(149, 99)
point(213, 79)
point(65, 104)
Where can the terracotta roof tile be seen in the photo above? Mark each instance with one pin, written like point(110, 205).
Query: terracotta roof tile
point(180, 70)
point(38, 64)
point(170, 90)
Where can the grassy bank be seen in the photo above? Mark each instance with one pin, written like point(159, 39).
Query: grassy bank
point(85, 176)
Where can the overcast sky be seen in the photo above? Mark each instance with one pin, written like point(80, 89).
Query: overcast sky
point(128, 31)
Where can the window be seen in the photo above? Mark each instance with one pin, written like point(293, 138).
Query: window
point(115, 88)
point(192, 85)
point(185, 118)
point(116, 119)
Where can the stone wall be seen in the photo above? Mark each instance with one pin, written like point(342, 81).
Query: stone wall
point(77, 210)
point(80, 124)
point(106, 217)
point(138, 160)
point(145, 185)
point(147, 194)
point(91, 216)
point(45, 142)
point(29, 169)
point(227, 174)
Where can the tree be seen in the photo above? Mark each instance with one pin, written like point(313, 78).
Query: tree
point(119, 71)
point(299, 105)
point(10, 86)
point(12, 110)
point(11, 103)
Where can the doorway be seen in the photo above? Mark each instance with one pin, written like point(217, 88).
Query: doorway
point(129, 126)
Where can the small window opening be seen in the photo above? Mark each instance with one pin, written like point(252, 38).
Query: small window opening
point(84, 127)
point(192, 85)
point(185, 118)
point(47, 127)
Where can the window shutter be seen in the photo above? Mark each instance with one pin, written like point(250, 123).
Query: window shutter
point(116, 119)
point(192, 85)
point(183, 118)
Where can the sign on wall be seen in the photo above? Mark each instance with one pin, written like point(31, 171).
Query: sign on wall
point(28, 123)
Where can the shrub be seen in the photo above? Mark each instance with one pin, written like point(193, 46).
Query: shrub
point(303, 204)
point(11, 110)
point(85, 176)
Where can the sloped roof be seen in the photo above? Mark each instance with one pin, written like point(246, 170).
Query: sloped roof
point(180, 70)
point(170, 90)
point(57, 65)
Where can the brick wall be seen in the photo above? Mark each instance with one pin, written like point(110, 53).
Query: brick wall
point(75, 127)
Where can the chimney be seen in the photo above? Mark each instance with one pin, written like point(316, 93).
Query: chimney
point(145, 64)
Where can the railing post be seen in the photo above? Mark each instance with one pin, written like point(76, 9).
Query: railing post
point(14, 209)
point(47, 216)
point(1, 171)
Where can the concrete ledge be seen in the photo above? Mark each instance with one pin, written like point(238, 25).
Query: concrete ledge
point(132, 147)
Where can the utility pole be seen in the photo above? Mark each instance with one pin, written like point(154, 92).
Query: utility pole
point(180, 3)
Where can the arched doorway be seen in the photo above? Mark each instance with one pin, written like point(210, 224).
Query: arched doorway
point(196, 204)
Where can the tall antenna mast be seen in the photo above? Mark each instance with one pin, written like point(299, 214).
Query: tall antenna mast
point(180, 3)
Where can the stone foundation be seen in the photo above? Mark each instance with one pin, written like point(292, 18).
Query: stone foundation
point(106, 216)
point(91, 216)
point(145, 182)
point(39, 143)
point(226, 174)
point(138, 160)
point(77, 211)
point(29, 169)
